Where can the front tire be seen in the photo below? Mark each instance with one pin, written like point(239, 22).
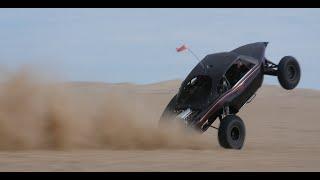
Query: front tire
point(231, 133)
point(289, 72)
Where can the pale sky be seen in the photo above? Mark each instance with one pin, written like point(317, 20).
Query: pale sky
point(138, 45)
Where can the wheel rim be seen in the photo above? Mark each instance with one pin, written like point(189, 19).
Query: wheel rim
point(235, 133)
point(291, 72)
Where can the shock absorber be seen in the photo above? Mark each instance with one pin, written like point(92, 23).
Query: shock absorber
point(226, 111)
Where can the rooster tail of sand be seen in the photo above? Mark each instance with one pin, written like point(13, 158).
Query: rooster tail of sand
point(39, 114)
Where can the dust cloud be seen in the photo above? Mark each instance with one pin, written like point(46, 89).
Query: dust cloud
point(37, 113)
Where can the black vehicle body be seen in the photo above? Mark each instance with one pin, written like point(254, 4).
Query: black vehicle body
point(209, 99)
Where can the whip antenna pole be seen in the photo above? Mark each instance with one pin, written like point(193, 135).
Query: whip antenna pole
point(193, 54)
point(184, 47)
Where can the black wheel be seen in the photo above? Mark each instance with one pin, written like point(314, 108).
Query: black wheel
point(168, 114)
point(231, 133)
point(288, 72)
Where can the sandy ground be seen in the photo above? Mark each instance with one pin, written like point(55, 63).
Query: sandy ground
point(283, 134)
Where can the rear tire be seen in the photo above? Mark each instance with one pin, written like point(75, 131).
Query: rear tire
point(168, 114)
point(231, 133)
point(289, 72)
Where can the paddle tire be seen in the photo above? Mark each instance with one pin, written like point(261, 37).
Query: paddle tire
point(231, 132)
point(288, 72)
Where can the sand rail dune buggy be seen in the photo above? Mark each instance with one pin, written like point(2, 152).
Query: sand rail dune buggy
point(221, 84)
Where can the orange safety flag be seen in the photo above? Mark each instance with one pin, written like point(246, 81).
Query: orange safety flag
point(182, 48)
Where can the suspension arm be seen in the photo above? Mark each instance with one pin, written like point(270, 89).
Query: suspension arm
point(270, 68)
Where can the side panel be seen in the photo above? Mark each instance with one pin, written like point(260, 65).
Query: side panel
point(237, 95)
point(250, 87)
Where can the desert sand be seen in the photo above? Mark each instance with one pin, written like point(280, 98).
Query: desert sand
point(282, 130)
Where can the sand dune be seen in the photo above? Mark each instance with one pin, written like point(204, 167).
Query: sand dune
point(113, 127)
